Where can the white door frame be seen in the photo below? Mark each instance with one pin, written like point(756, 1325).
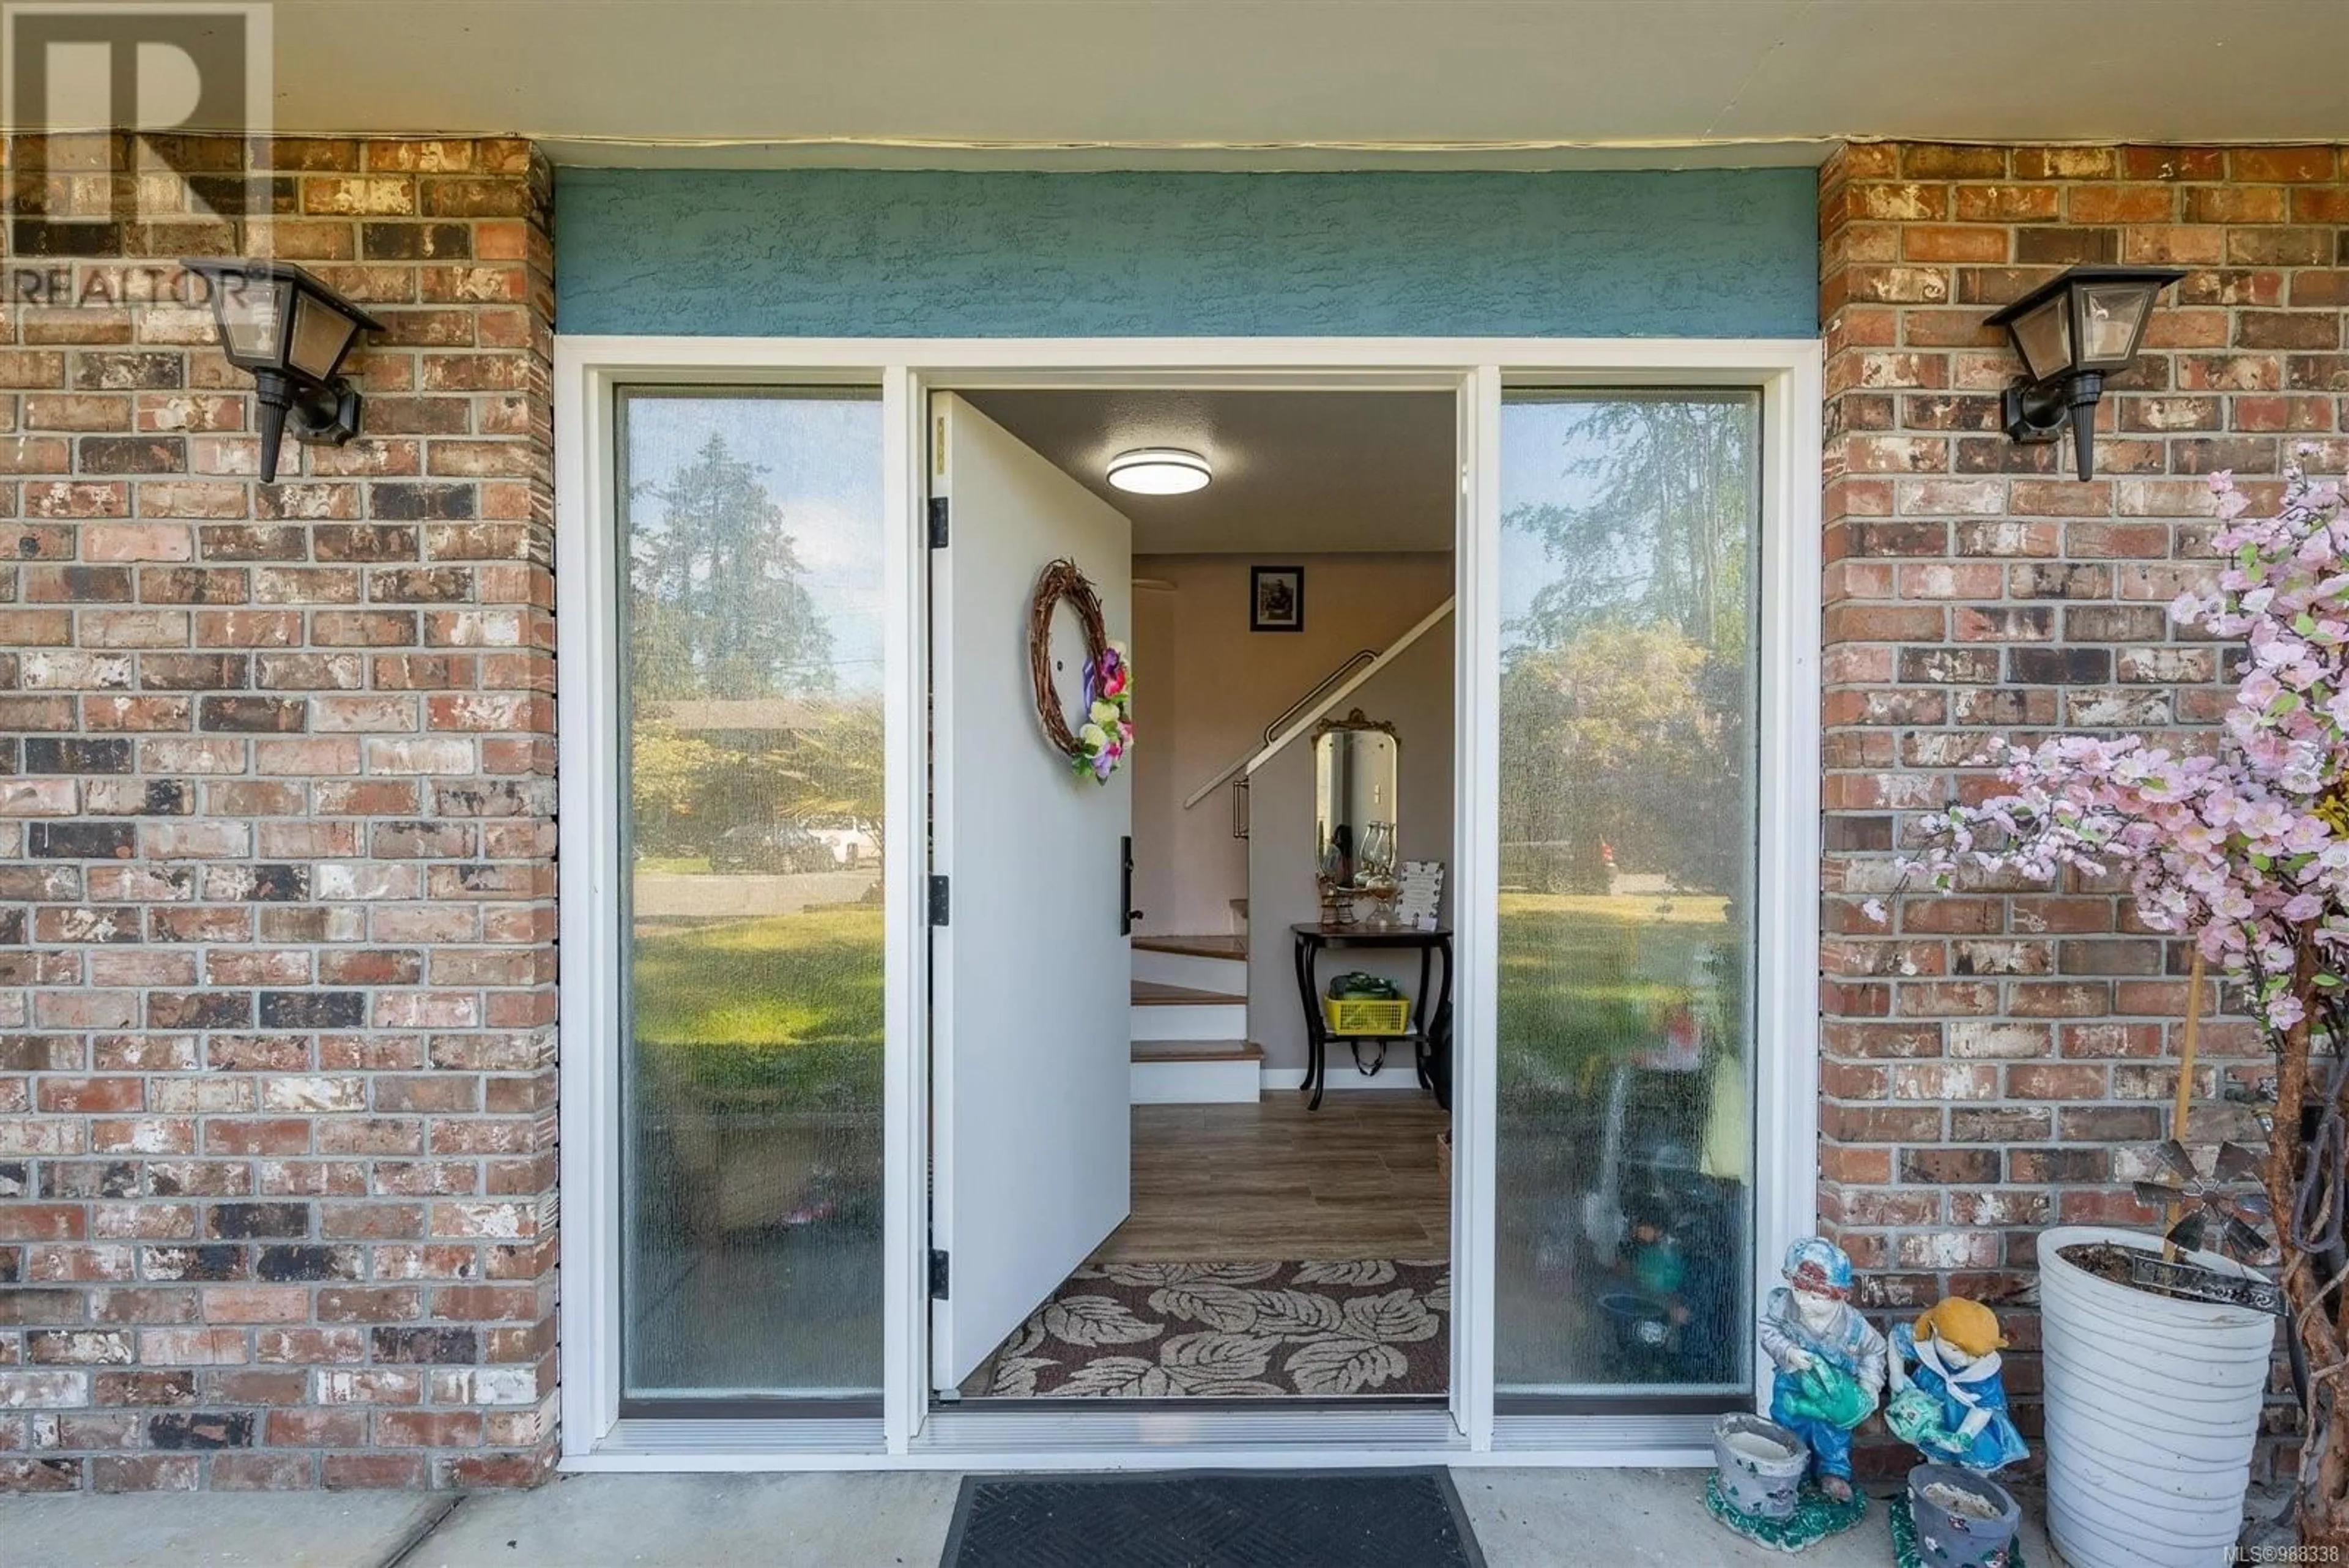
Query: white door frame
point(1788, 374)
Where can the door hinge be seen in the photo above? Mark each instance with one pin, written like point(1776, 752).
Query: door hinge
point(941, 900)
point(940, 1272)
point(938, 521)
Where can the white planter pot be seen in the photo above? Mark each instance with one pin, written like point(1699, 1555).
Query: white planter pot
point(2153, 1405)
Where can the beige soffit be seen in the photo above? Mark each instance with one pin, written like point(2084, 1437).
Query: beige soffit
point(1260, 84)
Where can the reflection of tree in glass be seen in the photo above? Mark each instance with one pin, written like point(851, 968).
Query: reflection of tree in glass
point(718, 604)
point(836, 768)
point(731, 669)
point(1628, 677)
point(671, 778)
point(1624, 749)
point(1664, 538)
point(825, 770)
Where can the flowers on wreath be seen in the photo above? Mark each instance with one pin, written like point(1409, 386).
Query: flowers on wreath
point(2248, 849)
point(1107, 734)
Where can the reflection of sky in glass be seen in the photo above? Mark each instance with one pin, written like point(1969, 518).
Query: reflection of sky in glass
point(821, 458)
point(1535, 460)
point(1547, 460)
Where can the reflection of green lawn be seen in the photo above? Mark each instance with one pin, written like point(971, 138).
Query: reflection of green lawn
point(681, 864)
point(784, 1011)
point(1587, 982)
point(1584, 978)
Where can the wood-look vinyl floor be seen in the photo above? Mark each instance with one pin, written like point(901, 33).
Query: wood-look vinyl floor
point(1273, 1181)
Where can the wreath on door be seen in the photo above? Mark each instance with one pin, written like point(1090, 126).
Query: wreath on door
point(1102, 737)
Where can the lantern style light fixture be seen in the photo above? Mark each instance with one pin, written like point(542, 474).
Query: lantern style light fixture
point(292, 332)
point(2072, 332)
point(1159, 471)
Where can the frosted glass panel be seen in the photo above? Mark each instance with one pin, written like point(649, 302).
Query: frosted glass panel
point(1629, 534)
point(751, 618)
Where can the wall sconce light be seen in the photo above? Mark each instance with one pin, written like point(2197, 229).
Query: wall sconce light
point(292, 332)
point(2073, 331)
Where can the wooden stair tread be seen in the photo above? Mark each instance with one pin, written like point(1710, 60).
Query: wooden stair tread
point(1206, 947)
point(1197, 1051)
point(1152, 993)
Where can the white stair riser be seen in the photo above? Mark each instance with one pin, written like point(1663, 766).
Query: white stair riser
point(1397, 1076)
point(1227, 975)
point(1189, 1021)
point(1194, 1083)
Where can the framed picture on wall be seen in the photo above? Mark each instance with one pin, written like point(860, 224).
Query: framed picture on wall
point(1277, 598)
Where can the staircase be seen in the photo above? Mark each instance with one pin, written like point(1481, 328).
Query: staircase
point(1189, 1023)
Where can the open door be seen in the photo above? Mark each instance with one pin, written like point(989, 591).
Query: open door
point(1030, 968)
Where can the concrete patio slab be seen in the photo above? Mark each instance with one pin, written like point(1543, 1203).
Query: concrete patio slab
point(216, 1529)
point(1652, 1519)
point(829, 1520)
point(1522, 1518)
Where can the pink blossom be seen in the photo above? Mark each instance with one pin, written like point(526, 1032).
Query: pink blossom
point(2244, 850)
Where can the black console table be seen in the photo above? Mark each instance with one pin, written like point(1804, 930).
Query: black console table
point(1311, 939)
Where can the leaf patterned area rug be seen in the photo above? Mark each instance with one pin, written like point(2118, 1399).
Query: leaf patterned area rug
point(1372, 1328)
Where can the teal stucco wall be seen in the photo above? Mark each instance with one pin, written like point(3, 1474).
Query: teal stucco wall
point(858, 254)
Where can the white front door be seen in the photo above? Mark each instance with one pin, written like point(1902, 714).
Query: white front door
point(1031, 972)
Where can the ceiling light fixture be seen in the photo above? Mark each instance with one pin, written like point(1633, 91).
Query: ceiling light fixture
point(1159, 471)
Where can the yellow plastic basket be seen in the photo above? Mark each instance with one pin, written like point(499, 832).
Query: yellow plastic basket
point(1366, 1015)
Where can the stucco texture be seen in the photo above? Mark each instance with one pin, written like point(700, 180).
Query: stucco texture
point(850, 253)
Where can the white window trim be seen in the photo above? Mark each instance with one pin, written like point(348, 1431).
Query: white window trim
point(1787, 372)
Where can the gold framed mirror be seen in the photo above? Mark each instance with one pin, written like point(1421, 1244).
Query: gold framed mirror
point(1355, 810)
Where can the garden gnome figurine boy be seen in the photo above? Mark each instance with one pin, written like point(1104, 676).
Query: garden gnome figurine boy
point(1830, 1363)
point(1953, 1408)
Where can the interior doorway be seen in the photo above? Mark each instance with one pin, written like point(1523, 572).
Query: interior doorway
point(1214, 1192)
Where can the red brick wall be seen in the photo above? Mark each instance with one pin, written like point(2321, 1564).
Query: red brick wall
point(1993, 1060)
point(276, 852)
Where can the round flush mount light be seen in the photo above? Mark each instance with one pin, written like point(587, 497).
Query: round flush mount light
point(1159, 471)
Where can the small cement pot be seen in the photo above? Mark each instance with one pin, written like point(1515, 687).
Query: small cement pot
point(1976, 1533)
point(1758, 1465)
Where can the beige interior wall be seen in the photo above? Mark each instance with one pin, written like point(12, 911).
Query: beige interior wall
point(1206, 686)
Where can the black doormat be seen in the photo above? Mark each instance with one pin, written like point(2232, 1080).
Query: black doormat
point(1213, 1519)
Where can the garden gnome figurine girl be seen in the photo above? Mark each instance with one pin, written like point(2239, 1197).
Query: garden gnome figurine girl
point(1830, 1363)
point(1953, 1408)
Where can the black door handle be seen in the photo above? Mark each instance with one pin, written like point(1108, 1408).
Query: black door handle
point(1126, 913)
